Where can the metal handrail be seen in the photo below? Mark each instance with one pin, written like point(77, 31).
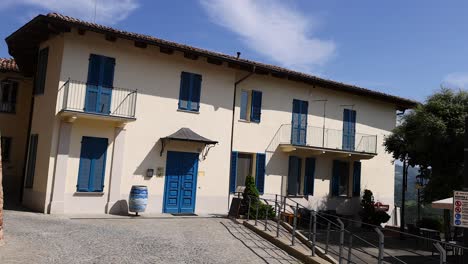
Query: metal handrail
point(326, 138)
point(73, 96)
point(280, 202)
point(378, 229)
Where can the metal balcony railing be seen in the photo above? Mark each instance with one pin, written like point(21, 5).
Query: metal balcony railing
point(343, 239)
point(94, 99)
point(320, 137)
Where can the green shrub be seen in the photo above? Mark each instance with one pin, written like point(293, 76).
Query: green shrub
point(251, 193)
point(368, 213)
point(430, 223)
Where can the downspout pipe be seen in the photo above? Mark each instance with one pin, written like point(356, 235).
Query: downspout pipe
point(26, 152)
point(232, 123)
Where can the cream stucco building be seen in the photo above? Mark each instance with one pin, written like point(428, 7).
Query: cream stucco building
point(113, 109)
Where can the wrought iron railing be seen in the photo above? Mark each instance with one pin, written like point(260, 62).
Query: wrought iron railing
point(347, 240)
point(323, 138)
point(87, 98)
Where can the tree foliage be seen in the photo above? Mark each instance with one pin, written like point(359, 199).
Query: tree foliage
point(368, 213)
point(251, 194)
point(431, 137)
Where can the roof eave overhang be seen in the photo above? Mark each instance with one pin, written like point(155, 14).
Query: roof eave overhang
point(23, 46)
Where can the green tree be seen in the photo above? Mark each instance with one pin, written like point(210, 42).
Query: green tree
point(251, 193)
point(368, 213)
point(431, 137)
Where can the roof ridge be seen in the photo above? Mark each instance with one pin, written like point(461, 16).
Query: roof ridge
point(245, 64)
point(8, 64)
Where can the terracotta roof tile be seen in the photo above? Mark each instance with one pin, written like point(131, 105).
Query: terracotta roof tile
point(8, 64)
point(243, 63)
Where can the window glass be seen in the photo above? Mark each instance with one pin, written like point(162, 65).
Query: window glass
point(344, 179)
point(190, 91)
point(244, 168)
point(8, 91)
point(256, 106)
point(244, 104)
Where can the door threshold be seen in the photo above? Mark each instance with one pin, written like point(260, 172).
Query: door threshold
point(184, 214)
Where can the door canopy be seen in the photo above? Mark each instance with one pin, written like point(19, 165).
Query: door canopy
point(186, 134)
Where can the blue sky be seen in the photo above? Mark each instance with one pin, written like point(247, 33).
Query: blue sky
point(405, 48)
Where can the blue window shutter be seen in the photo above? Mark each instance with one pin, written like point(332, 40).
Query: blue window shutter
point(94, 70)
point(99, 158)
point(357, 178)
point(303, 122)
point(14, 94)
point(233, 172)
point(184, 94)
point(99, 84)
point(92, 84)
point(195, 92)
point(346, 129)
point(260, 172)
point(92, 164)
point(352, 129)
point(39, 82)
point(295, 122)
point(299, 122)
point(294, 175)
point(6, 148)
point(31, 163)
point(105, 96)
point(243, 104)
point(256, 107)
point(108, 69)
point(335, 181)
point(309, 176)
point(85, 168)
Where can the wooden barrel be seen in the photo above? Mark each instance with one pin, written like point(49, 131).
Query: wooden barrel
point(138, 198)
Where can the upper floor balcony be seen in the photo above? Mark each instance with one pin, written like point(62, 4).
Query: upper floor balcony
point(319, 140)
point(84, 100)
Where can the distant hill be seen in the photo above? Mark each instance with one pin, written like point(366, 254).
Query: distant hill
point(411, 192)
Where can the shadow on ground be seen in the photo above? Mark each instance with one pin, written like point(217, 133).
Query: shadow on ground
point(259, 246)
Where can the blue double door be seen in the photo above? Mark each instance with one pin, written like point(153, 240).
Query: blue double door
point(299, 122)
point(181, 182)
point(99, 85)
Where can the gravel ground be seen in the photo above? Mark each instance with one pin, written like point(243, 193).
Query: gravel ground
point(38, 238)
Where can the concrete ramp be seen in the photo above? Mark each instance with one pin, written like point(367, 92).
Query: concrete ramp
point(300, 250)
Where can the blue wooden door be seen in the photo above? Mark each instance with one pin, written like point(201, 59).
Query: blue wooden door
point(294, 175)
point(181, 182)
point(299, 122)
point(349, 129)
point(92, 164)
point(99, 84)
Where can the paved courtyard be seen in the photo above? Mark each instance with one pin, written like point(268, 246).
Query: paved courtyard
point(38, 238)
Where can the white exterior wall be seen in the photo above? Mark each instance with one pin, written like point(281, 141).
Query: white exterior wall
point(45, 124)
point(157, 77)
point(373, 118)
point(13, 169)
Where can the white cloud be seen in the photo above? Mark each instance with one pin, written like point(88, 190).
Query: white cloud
point(456, 80)
point(107, 11)
point(274, 30)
